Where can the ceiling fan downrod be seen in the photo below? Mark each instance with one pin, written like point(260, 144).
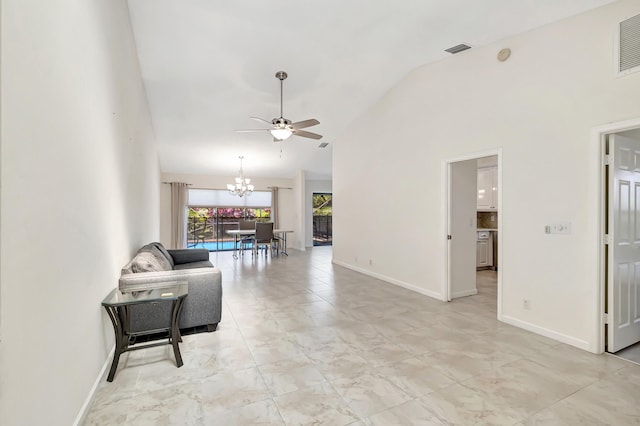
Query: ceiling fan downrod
point(281, 75)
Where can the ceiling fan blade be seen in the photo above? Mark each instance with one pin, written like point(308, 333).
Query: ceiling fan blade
point(305, 123)
point(251, 130)
point(307, 134)
point(261, 119)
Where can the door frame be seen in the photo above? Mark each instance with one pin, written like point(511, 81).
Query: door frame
point(446, 174)
point(599, 139)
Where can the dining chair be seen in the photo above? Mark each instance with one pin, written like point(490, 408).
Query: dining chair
point(264, 237)
point(244, 225)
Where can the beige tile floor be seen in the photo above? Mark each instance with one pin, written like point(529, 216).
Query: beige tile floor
point(306, 342)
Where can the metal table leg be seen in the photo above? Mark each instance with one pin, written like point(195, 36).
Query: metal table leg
point(118, 318)
point(235, 246)
point(175, 330)
point(284, 244)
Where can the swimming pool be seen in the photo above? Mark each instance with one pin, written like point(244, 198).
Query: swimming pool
point(213, 245)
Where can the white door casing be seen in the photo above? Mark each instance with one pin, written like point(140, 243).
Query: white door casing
point(462, 228)
point(624, 243)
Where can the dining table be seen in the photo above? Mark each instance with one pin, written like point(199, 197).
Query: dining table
point(239, 233)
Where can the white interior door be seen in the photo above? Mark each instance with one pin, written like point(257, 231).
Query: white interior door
point(623, 281)
point(463, 177)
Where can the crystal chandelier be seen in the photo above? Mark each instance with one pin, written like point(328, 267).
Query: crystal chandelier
point(242, 186)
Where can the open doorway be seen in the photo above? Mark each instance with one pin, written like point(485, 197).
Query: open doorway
point(487, 229)
point(473, 228)
point(322, 219)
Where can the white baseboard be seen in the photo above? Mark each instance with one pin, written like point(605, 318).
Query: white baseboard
point(465, 293)
point(569, 340)
point(390, 280)
point(84, 410)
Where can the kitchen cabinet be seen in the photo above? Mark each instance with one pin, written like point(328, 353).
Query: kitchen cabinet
point(484, 249)
point(488, 189)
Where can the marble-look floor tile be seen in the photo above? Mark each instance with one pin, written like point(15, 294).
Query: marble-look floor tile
point(105, 414)
point(303, 341)
point(612, 401)
point(429, 339)
point(516, 341)
point(338, 360)
point(523, 387)
point(369, 394)
point(463, 361)
point(290, 375)
point(415, 377)
point(317, 405)
point(124, 386)
point(168, 406)
point(254, 414)
point(459, 405)
point(582, 365)
point(381, 352)
point(279, 349)
point(411, 413)
point(231, 389)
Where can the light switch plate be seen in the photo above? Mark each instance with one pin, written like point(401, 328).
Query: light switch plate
point(561, 228)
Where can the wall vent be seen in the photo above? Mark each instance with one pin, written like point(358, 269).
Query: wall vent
point(323, 145)
point(457, 49)
point(628, 46)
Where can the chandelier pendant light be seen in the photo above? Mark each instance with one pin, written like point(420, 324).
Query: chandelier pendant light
point(242, 186)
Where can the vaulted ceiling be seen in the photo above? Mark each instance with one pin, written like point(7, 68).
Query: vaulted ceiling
point(209, 65)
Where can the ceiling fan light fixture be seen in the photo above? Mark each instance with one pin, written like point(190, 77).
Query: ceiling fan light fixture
point(281, 134)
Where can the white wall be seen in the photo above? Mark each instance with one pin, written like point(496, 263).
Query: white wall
point(287, 207)
point(312, 186)
point(539, 107)
point(79, 194)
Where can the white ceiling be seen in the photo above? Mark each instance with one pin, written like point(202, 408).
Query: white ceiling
point(208, 65)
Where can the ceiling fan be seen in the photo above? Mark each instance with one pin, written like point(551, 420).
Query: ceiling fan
point(281, 128)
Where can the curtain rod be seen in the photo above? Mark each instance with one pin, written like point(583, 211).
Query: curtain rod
point(169, 183)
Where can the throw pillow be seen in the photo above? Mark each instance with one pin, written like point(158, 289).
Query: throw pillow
point(164, 252)
point(165, 265)
point(146, 262)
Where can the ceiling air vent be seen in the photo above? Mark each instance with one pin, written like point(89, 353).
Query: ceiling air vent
point(323, 145)
point(457, 49)
point(628, 46)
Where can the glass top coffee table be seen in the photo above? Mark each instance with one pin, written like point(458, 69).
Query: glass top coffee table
point(117, 305)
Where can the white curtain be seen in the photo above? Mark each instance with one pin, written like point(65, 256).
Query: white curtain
point(179, 199)
point(274, 207)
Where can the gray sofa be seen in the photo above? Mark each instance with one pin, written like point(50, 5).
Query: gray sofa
point(152, 265)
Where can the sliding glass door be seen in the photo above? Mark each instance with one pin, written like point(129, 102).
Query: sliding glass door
point(207, 226)
point(208, 223)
